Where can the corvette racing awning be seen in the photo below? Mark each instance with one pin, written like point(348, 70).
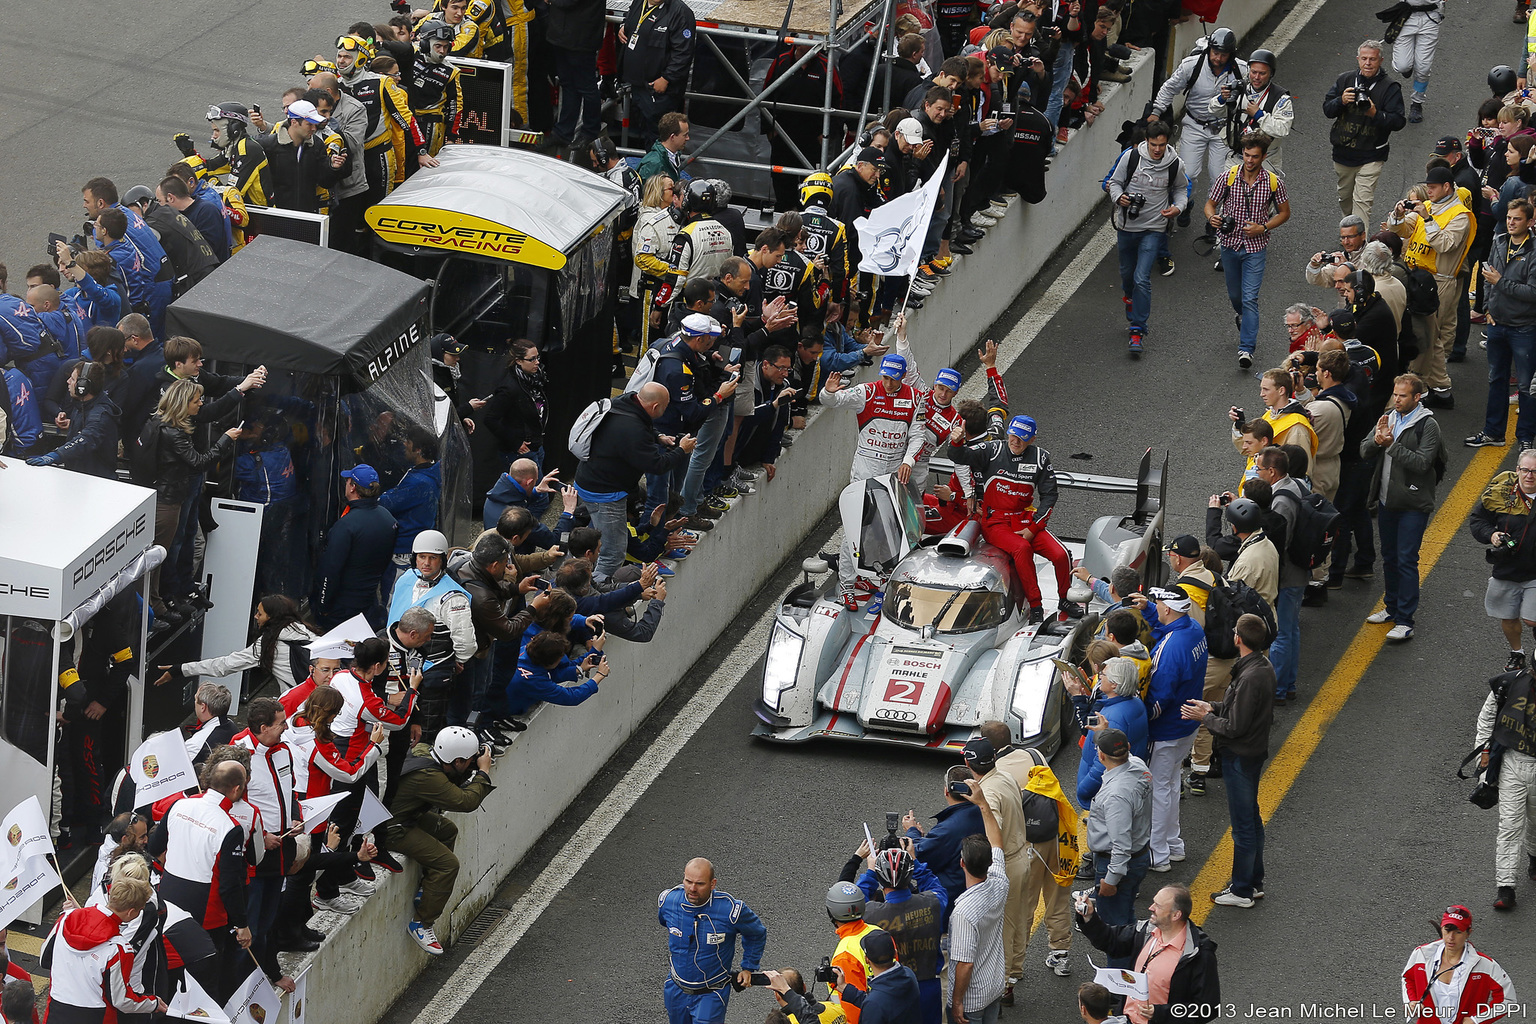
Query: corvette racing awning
point(496, 204)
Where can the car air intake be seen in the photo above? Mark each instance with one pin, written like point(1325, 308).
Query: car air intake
point(959, 541)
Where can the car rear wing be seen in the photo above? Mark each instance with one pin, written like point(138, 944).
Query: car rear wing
point(1148, 486)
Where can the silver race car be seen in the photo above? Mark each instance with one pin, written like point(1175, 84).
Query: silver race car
point(942, 644)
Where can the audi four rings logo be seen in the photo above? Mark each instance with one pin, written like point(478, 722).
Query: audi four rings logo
point(893, 715)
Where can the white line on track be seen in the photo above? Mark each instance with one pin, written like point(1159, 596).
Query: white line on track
point(563, 867)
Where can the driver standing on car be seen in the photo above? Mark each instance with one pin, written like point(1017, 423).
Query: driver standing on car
point(1018, 492)
point(891, 435)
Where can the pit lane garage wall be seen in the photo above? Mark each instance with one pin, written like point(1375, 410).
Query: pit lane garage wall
point(563, 749)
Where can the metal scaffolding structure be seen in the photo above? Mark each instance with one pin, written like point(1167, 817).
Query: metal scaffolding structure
point(779, 23)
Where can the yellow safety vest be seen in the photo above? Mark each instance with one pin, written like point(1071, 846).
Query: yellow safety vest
point(1289, 421)
point(1418, 253)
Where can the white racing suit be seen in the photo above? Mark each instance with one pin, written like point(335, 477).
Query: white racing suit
point(891, 433)
point(1413, 52)
point(1202, 141)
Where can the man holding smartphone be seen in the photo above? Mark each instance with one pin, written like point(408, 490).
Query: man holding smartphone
point(702, 925)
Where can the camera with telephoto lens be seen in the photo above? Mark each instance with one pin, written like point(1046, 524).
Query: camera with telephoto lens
point(892, 837)
point(1362, 100)
point(400, 6)
point(1134, 203)
point(1228, 225)
point(824, 971)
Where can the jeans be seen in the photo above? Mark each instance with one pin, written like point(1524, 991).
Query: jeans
point(579, 99)
point(1351, 500)
point(986, 1015)
point(1061, 75)
point(1245, 273)
point(711, 433)
point(1285, 652)
point(1242, 778)
point(611, 519)
point(1463, 312)
point(939, 221)
point(1120, 909)
point(1138, 251)
point(1510, 346)
point(1402, 531)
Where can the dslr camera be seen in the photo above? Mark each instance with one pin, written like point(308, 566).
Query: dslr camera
point(1135, 203)
point(892, 837)
point(1328, 259)
point(1362, 101)
point(824, 971)
point(1228, 225)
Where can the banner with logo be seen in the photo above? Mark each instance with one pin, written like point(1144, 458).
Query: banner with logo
point(254, 1002)
point(315, 812)
point(891, 237)
point(372, 814)
point(24, 885)
point(296, 998)
point(192, 1003)
point(1131, 984)
point(161, 767)
point(26, 834)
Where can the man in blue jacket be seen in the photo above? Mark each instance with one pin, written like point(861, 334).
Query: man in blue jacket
point(1178, 675)
point(357, 553)
point(893, 995)
point(939, 849)
point(544, 673)
point(702, 924)
point(1115, 700)
point(415, 500)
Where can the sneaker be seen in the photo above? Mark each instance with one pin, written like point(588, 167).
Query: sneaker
point(386, 860)
point(1062, 135)
point(849, 600)
point(1197, 784)
point(1526, 446)
point(1071, 609)
point(1400, 632)
point(1036, 614)
point(1516, 661)
point(1244, 358)
point(342, 903)
point(1060, 962)
point(743, 487)
point(1377, 618)
point(983, 220)
point(699, 523)
point(1360, 572)
point(425, 937)
point(726, 492)
point(1440, 398)
point(1228, 898)
point(1085, 870)
point(1165, 265)
point(677, 555)
point(997, 208)
point(941, 266)
point(714, 503)
point(1163, 868)
point(1279, 700)
point(1482, 440)
point(360, 887)
point(1008, 996)
point(925, 275)
point(1335, 582)
point(1415, 113)
point(1135, 345)
point(1178, 858)
point(1217, 265)
point(1258, 893)
point(1506, 898)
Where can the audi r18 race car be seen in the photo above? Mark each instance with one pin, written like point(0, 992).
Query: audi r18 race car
point(943, 642)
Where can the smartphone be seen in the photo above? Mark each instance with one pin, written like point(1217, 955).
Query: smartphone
point(960, 789)
point(542, 584)
point(735, 356)
point(760, 980)
point(255, 108)
point(53, 245)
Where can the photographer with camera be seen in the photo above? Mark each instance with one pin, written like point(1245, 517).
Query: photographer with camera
point(1366, 107)
point(1257, 105)
point(1245, 206)
point(1148, 187)
point(905, 900)
point(1352, 238)
point(1437, 232)
point(1201, 78)
point(1502, 521)
point(795, 1004)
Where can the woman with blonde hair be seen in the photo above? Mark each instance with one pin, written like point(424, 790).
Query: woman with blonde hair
point(179, 470)
point(652, 242)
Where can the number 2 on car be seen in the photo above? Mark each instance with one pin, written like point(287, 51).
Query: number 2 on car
point(903, 691)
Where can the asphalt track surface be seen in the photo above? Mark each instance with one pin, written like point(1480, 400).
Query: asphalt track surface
point(1369, 834)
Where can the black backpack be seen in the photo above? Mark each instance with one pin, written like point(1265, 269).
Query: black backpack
point(1423, 293)
point(298, 659)
point(1041, 816)
point(1317, 527)
point(144, 454)
point(1229, 600)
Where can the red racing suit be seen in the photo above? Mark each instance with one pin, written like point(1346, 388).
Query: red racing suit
point(1018, 492)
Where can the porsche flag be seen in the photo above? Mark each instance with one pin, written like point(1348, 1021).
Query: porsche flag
point(296, 999)
point(254, 1002)
point(1131, 984)
point(160, 767)
point(23, 886)
point(192, 1003)
point(26, 835)
point(891, 237)
point(317, 812)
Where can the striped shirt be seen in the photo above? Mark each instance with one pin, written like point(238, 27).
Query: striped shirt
point(1247, 203)
point(976, 936)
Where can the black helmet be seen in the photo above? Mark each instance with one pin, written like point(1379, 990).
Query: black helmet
point(139, 194)
point(1502, 80)
point(1243, 514)
point(703, 196)
point(1261, 56)
point(235, 116)
point(1223, 39)
point(435, 32)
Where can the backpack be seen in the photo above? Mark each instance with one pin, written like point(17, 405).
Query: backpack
point(1042, 818)
point(580, 441)
point(1316, 528)
point(1423, 293)
point(1228, 600)
point(298, 659)
point(144, 454)
point(645, 367)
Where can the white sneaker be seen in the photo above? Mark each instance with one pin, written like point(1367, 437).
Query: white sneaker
point(1400, 632)
point(1378, 618)
point(425, 937)
point(997, 208)
point(1060, 962)
point(1165, 866)
point(360, 887)
point(1228, 898)
point(342, 903)
point(983, 220)
point(1177, 857)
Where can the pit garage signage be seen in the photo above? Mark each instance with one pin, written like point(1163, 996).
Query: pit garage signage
point(421, 227)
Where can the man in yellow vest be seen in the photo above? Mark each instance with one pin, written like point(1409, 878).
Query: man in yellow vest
point(1287, 418)
point(1438, 232)
point(845, 906)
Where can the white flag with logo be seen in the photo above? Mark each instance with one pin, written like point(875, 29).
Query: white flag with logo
point(193, 1003)
point(23, 886)
point(254, 1002)
point(317, 811)
point(372, 814)
point(160, 767)
point(296, 998)
point(891, 237)
point(1131, 984)
point(338, 643)
point(26, 834)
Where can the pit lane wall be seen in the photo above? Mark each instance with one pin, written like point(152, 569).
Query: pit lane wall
point(563, 749)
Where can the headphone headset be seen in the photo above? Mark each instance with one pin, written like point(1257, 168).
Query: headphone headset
point(82, 386)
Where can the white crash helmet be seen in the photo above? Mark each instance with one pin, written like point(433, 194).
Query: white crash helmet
point(455, 742)
point(430, 542)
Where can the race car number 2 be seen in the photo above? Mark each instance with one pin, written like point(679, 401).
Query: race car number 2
point(903, 691)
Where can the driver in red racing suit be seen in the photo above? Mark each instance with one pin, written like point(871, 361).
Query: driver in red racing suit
point(1018, 494)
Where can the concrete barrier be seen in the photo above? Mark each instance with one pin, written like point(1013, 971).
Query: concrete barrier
point(547, 766)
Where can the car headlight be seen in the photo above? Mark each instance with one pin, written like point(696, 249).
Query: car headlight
point(782, 664)
point(1030, 690)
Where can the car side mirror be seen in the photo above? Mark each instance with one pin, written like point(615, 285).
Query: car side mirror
point(814, 566)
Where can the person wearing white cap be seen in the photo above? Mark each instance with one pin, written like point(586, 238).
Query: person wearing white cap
point(1178, 676)
point(701, 392)
point(302, 164)
point(891, 433)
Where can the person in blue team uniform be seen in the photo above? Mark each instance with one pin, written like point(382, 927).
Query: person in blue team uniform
point(702, 926)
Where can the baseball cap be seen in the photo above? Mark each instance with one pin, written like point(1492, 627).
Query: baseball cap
point(1456, 916)
point(303, 110)
point(948, 377)
point(1173, 597)
point(1000, 56)
point(1113, 743)
point(979, 755)
point(893, 366)
point(870, 155)
point(879, 947)
point(447, 344)
point(701, 323)
point(1021, 427)
point(362, 474)
point(1439, 176)
point(911, 129)
point(1448, 144)
point(1185, 546)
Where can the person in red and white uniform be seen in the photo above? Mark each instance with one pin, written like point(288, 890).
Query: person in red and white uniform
point(90, 962)
point(272, 792)
point(1449, 982)
point(1018, 493)
point(940, 410)
point(891, 434)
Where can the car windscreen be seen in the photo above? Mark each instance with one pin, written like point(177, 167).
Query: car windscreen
point(948, 610)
